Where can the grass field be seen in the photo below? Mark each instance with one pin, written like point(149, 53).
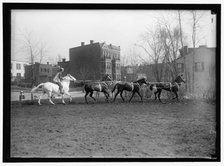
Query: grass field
point(142, 130)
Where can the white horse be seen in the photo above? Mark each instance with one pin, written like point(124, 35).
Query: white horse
point(50, 88)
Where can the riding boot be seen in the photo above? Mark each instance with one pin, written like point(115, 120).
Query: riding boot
point(61, 90)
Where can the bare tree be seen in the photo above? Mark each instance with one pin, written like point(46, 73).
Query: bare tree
point(152, 47)
point(29, 46)
point(131, 56)
point(180, 28)
point(58, 58)
point(42, 51)
point(124, 60)
point(182, 44)
point(171, 40)
point(196, 17)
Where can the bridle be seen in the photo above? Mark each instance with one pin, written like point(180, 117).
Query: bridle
point(72, 79)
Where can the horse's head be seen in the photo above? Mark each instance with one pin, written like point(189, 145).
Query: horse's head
point(69, 78)
point(142, 81)
point(107, 78)
point(179, 79)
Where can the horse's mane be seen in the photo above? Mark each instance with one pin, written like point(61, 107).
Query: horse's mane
point(143, 78)
point(64, 77)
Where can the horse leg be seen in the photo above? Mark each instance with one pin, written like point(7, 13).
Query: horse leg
point(112, 94)
point(91, 95)
point(70, 96)
point(106, 95)
point(160, 95)
point(115, 96)
point(40, 98)
point(49, 98)
point(62, 98)
point(122, 96)
point(133, 93)
point(175, 92)
point(155, 93)
point(87, 92)
point(140, 95)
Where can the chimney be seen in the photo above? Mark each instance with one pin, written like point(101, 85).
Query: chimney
point(82, 43)
point(63, 60)
point(91, 41)
point(185, 51)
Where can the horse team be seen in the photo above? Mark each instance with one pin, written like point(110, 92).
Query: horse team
point(107, 85)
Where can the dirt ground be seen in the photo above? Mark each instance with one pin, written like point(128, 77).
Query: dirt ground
point(141, 130)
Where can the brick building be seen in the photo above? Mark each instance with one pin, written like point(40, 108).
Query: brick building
point(92, 61)
point(40, 73)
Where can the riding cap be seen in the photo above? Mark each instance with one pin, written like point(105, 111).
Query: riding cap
point(61, 69)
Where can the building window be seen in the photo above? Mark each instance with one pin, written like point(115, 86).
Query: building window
point(18, 66)
point(199, 66)
point(108, 65)
point(18, 75)
point(180, 67)
point(102, 66)
point(107, 55)
point(118, 66)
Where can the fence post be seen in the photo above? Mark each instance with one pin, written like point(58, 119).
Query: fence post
point(21, 96)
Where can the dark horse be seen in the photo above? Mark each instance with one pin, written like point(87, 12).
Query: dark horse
point(171, 86)
point(129, 86)
point(97, 86)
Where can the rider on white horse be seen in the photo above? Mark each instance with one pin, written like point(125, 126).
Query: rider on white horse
point(50, 88)
point(58, 77)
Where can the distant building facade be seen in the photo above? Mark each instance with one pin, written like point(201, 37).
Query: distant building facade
point(129, 73)
point(18, 70)
point(199, 69)
point(40, 73)
point(93, 61)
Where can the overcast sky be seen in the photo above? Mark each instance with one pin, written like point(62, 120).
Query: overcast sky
point(60, 30)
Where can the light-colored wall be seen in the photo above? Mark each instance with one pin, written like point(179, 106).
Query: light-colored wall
point(204, 80)
point(14, 71)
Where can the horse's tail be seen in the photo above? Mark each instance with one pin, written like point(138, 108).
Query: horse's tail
point(115, 86)
point(35, 88)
